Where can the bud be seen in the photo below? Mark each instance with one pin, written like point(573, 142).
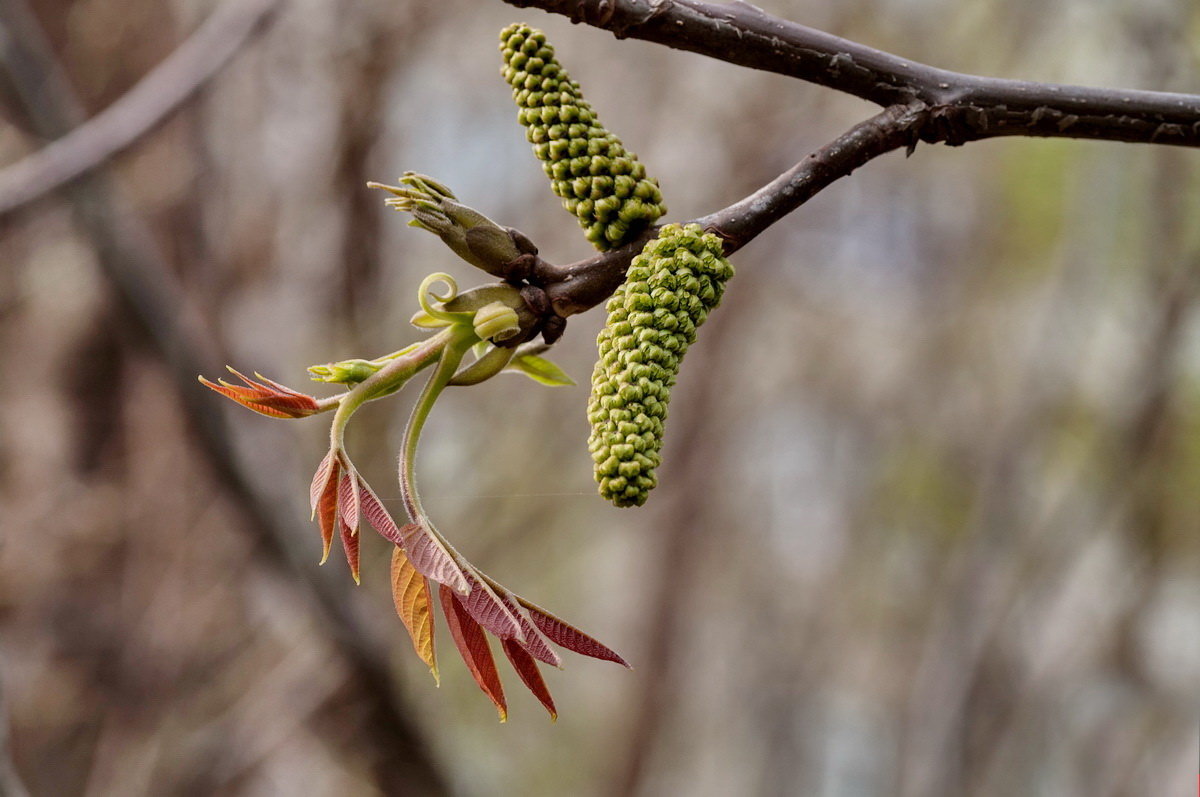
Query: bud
point(471, 235)
point(346, 372)
point(496, 322)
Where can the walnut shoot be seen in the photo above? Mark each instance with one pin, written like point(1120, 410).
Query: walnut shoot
point(341, 499)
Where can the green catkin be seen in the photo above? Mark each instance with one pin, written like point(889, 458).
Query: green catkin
point(600, 182)
point(669, 290)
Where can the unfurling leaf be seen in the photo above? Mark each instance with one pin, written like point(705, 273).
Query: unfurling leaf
point(266, 397)
point(527, 668)
point(562, 633)
point(410, 591)
point(473, 646)
point(539, 369)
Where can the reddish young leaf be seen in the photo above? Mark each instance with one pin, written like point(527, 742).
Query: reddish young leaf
point(489, 610)
point(349, 504)
point(568, 636)
point(535, 642)
point(327, 510)
point(527, 668)
point(431, 558)
point(319, 480)
point(266, 397)
point(423, 548)
point(410, 591)
point(472, 644)
point(377, 516)
point(350, 546)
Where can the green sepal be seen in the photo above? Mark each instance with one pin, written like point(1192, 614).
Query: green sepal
point(539, 369)
point(487, 366)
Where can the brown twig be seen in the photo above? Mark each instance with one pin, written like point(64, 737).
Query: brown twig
point(143, 107)
point(921, 103)
point(581, 286)
point(963, 107)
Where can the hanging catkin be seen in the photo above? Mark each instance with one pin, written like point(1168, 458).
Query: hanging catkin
point(652, 319)
point(600, 182)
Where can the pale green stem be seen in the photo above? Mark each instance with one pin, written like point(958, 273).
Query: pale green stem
point(385, 381)
point(451, 356)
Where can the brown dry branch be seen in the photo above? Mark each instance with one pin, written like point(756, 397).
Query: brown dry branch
point(921, 103)
point(961, 107)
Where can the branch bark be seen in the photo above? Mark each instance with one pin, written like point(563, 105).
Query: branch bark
point(962, 107)
point(147, 104)
point(921, 103)
point(580, 286)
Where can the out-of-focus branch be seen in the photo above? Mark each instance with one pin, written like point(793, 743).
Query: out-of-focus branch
point(147, 104)
point(963, 107)
point(139, 273)
point(10, 781)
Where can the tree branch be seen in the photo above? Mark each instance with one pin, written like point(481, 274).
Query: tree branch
point(580, 286)
point(171, 83)
point(962, 107)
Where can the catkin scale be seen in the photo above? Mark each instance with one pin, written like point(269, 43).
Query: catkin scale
point(669, 290)
point(600, 182)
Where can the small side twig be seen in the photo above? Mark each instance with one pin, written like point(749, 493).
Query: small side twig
point(966, 107)
point(143, 107)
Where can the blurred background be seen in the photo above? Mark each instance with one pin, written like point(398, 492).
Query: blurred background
point(929, 519)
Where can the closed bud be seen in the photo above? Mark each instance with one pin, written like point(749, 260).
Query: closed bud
point(496, 322)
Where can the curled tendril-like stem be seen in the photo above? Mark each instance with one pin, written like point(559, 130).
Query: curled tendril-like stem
point(425, 292)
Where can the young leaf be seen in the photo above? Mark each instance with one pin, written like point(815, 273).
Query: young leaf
point(487, 609)
point(539, 369)
point(527, 668)
point(568, 636)
point(265, 397)
point(377, 516)
point(350, 546)
point(535, 642)
point(320, 478)
point(473, 646)
point(425, 550)
point(410, 591)
point(429, 555)
point(327, 510)
point(349, 501)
